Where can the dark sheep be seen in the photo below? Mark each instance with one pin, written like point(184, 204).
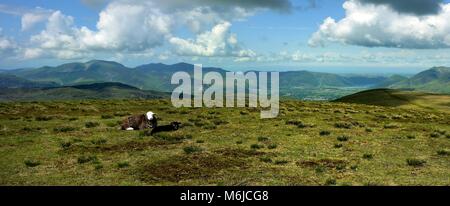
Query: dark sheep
point(165, 128)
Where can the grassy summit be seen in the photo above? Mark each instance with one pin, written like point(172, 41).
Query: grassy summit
point(310, 143)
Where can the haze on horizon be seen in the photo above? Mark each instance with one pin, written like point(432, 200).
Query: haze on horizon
point(344, 36)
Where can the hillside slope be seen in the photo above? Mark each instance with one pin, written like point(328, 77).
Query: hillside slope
point(399, 98)
point(12, 81)
point(89, 91)
point(436, 79)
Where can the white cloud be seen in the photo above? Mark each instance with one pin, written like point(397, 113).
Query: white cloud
point(32, 53)
point(372, 25)
point(124, 26)
point(8, 47)
point(59, 38)
point(136, 27)
point(217, 42)
point(31, 18)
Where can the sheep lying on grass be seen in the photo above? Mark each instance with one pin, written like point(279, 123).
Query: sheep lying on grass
point(140, 122)
point(165, 128)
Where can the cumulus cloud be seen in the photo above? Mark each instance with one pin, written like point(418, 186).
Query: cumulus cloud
point(137, 27)
point(7, 45)
point(380, 26)
point(31, 18)
point(58, 37)
point(144, 27)
point(217, 42)
point(417, 7)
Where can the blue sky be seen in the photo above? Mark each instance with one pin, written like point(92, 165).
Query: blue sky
point(344, 36)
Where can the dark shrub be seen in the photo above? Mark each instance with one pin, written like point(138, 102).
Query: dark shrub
point(272, 146)
point(265, 159)
point(330, 182)
point(411, 136)
point(339, 145)
point(440, 131)
point(65, 145)
point(368, 156)
point(64, 129)
point(390, 126)
point(320, 169)
point(239, 142)
point(27, 129)
point(107, 116)
point(256, 146)
point(415, 162)
point(121, 114)
point(281, 162)
point(98, 141)
point(192, 149)
point(123, 164)
point(324, 133)
point(263, 139)
point(443, 152)
point(220, 122)
point(294, 122)
point(98, 166)
point(44, 118)
point(343, 125)
point(435, 135)
point(31, 163)
point(209, 126)
point(244, 113)
point(85, 159)
point(91, 124)
point(343, 138)
point(340, 167)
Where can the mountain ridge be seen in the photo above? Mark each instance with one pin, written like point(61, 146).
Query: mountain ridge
point(157, 76)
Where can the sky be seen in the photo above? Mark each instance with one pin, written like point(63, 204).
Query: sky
point(339, 36)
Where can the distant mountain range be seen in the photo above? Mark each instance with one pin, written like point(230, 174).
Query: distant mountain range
point(157, 76)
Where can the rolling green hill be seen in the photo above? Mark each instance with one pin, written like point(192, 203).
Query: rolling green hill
point(109, 90)
point(436, 79)
point(12, 81)
point(400, 98)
